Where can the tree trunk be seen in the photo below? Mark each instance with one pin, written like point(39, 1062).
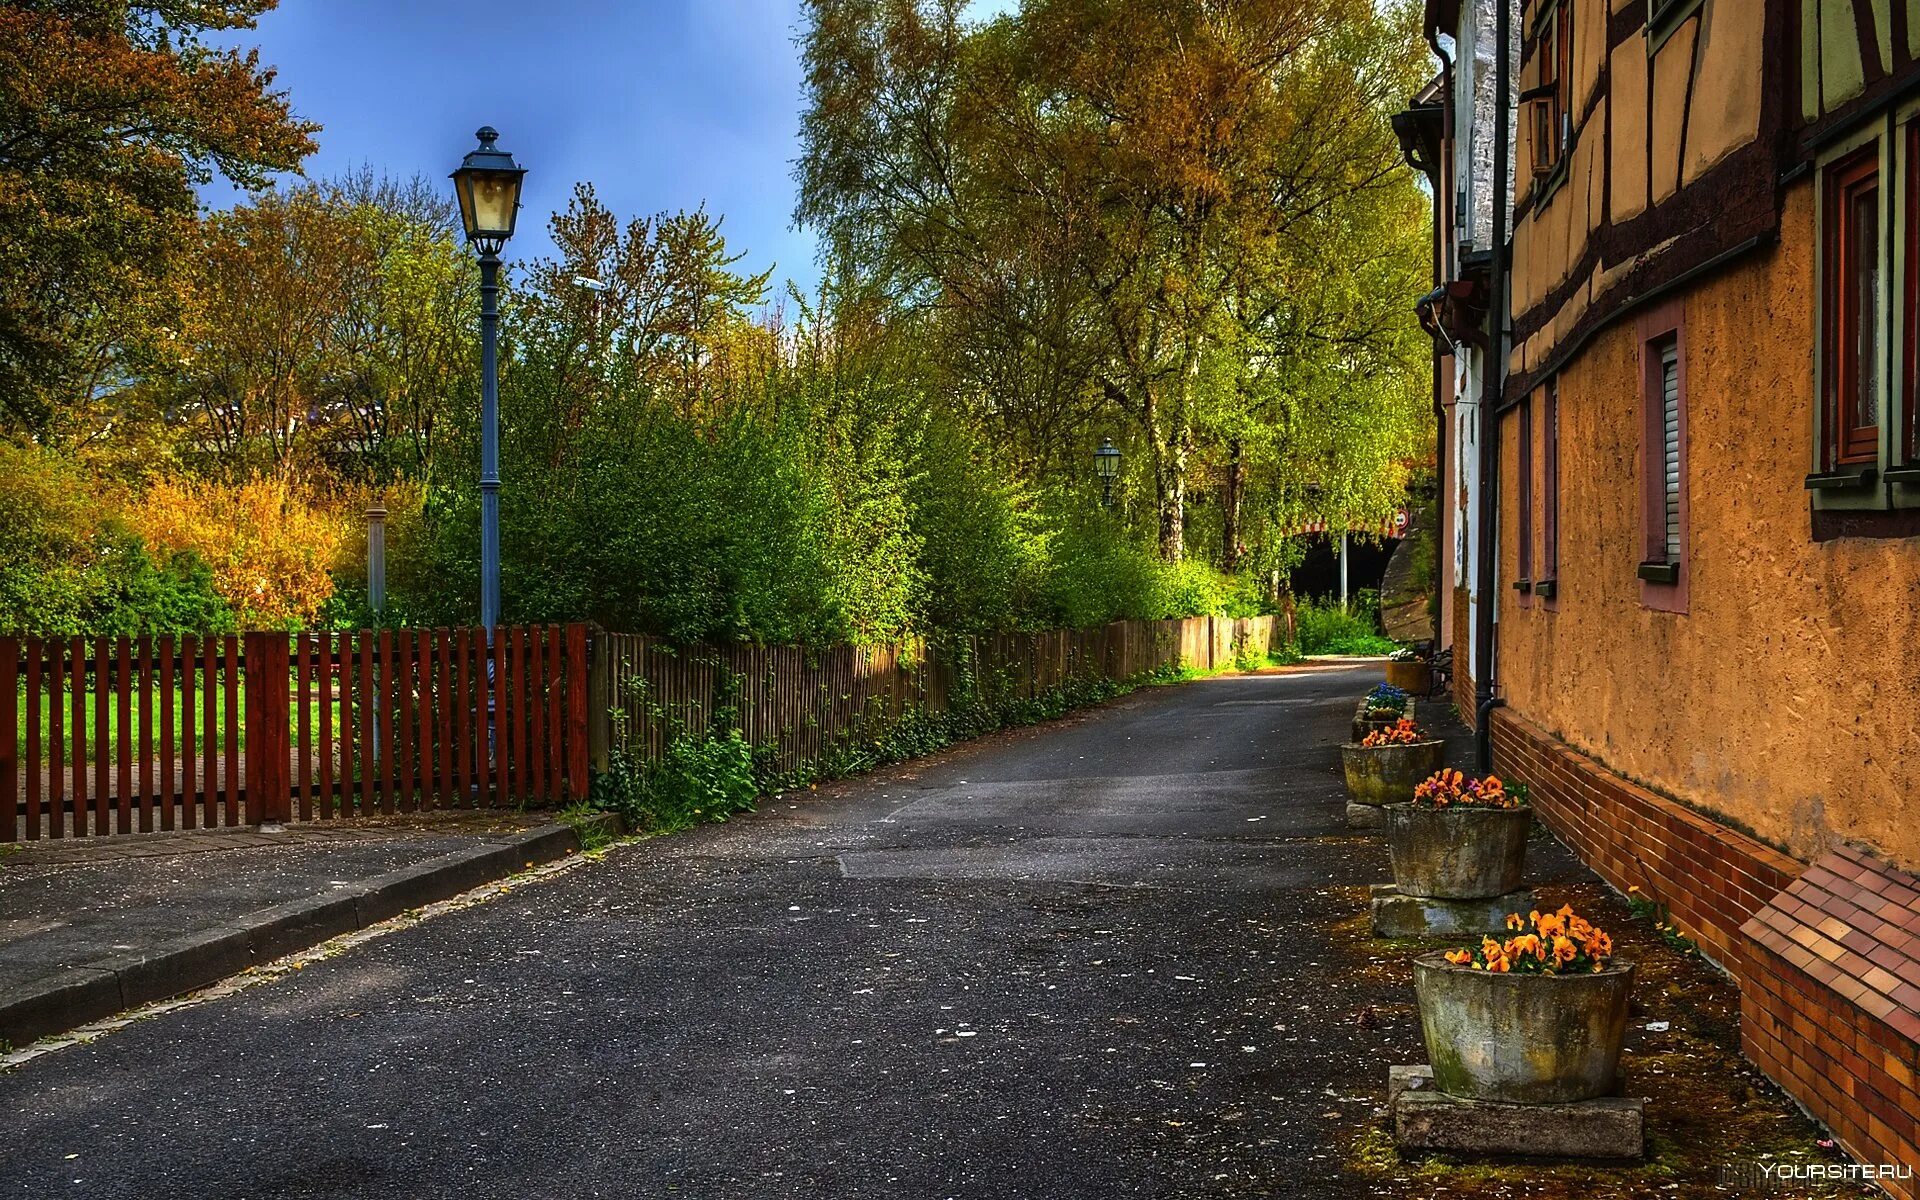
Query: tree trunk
point(1230, 508)
point(1170, 479)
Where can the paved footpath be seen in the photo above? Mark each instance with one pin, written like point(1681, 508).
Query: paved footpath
point(1095, 959)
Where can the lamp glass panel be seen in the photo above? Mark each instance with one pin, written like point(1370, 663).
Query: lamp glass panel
point(493, 201)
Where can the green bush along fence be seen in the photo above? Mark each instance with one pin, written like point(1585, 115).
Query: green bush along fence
point(797, 705)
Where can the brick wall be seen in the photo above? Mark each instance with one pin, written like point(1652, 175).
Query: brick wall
point(1830, 1005)
point(1710, 877)
point(1462, 655)
point(1828, 957)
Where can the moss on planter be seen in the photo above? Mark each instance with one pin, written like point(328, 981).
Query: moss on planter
point(1388, 774)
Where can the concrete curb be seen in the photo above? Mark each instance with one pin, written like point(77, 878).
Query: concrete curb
point(73, 995)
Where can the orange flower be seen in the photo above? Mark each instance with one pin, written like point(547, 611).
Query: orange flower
point(1561, 940)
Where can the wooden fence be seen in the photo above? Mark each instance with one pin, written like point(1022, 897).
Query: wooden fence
point(119, 735)
point(800, 703)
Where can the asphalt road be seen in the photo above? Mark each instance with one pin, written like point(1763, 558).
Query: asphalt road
point(1095, 959)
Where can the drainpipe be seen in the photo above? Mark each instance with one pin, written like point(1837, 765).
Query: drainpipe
point(1441, 237)
point(1493, 387)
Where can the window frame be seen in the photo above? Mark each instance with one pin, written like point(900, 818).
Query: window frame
point(1547, 587)
point(1550, 100)
point(1844, 443)
point(1889, 479)
point(1523, 501)
point(1665, 16)
point(1664, 579)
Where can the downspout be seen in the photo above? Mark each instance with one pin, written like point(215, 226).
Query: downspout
point(1440, 275)
point(1493, 386)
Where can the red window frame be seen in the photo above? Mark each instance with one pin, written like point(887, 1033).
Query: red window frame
point(1550, 487)
point(1656, 329)
point(1523, 546)
point(1846, 442)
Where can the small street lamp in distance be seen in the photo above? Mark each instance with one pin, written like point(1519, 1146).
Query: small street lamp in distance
point(1106, 462)
point(487, 186)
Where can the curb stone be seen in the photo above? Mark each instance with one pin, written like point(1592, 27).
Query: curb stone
point(72, 994)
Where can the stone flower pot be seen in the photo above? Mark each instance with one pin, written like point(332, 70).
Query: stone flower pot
point(1457, 853)
point(1388, 774)
point(1414, 678)
point(1364, 724)
point(1522, 1039)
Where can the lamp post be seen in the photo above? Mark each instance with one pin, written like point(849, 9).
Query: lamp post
point(1106, 462)
point(377, 559)
point(488, 188)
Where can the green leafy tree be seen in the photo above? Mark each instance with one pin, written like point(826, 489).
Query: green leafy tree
point(1101, 175)
point(110, 112)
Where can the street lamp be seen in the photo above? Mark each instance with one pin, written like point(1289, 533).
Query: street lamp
point(1106, 462)
point(488, 188)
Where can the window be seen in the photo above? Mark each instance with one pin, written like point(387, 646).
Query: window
point(1850, 290)
point(1865, 476)
point(1523, 570)
point(1547, 586)
point(1910, 309)
point(1663, 459)
point(1668, 352)
point(1550, 100)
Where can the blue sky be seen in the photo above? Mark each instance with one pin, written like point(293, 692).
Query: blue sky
point(661, 104)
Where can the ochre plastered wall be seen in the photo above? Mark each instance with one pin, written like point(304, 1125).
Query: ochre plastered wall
point(1787, 700)
point(1704, 103)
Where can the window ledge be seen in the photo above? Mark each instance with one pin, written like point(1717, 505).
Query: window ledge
point(1909, 475)
point(1660, 572)
point(1844, 480)
point(1544, 589)
point(1523, 586)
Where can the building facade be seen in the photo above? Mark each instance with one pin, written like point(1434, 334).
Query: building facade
point(1707, 540)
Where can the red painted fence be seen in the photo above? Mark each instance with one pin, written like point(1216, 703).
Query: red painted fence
point(119, 735)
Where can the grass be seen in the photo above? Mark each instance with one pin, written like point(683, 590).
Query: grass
point(92, 727)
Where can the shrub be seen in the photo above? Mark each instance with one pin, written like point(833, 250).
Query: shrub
point(70, 566)
point(270, 548)
point(702, 777)
point(1330, 629)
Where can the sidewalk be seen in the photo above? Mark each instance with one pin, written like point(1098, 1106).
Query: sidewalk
point(92, 926)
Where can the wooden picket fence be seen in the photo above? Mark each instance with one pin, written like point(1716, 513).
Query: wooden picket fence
point(798, 704)
point(119, 735)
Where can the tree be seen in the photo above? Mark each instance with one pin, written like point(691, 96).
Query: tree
point(1100, 176)
point(110, 112)
point(330, 323)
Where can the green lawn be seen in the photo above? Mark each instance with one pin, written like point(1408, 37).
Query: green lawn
point(113, 720)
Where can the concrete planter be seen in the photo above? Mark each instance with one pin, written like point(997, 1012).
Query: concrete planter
point(1414, 678)
point(1522, 1039)
point(1457, 853)
point(1388, 774)
point(1364, 724)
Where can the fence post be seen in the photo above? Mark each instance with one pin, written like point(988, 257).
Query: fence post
point(599, 697)
point(269, 743)
point(586, 740)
